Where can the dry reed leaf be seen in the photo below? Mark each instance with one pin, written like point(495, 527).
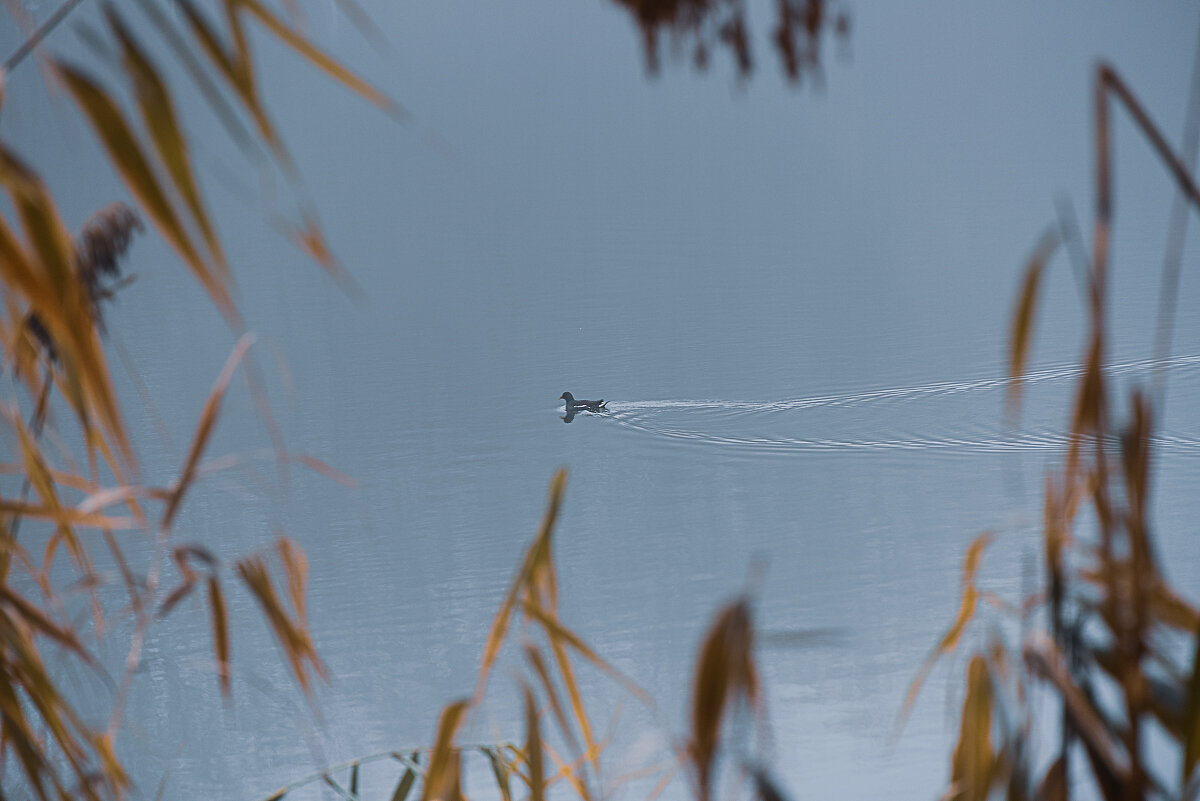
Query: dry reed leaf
point(1170, 609)
point(325, 469)
point(442, 776)
point(208, 419)
point(1191, 718)
point(294, 638)
point(500, 623)
point(56, 296)
point(533, 748)
point(98, 499)
point(158, 115)
point(577, 707)
point(125, 153)
point(764, 786)
point(974, 754)
point(570, 771)
point(305, 48)
point(65, 516)
point(405, 785)
point(966, 611)
point(1022, 329)
point(501, 772)
point(557, 631)
point(220, 624)
point(177, 595)
point(725, 673)
point(534, 657)
point(1054, 784)
point(296, 566)
point(38, 621)
point(1043, 658)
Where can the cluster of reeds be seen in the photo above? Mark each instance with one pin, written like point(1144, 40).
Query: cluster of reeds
point(1105, 636)
point(561, 745)
point(53, 288)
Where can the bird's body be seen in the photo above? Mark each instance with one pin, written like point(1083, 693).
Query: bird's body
point(587, 405)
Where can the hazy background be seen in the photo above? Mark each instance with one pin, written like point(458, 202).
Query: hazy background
point(797, 300)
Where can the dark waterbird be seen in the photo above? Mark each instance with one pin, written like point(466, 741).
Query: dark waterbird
point(574, 405)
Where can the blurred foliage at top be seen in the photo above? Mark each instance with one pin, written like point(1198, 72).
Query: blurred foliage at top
point(701, 27)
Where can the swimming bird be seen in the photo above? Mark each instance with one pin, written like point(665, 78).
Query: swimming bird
point(575, 405)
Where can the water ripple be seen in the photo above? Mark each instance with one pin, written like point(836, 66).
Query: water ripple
point(725, 424)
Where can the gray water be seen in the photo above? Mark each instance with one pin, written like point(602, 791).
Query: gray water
point(796, 301)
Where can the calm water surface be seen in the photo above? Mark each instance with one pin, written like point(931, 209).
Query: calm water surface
point(795, 300)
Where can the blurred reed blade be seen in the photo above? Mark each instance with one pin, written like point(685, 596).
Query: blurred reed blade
point(37, 621)
point(354, 779)
point(135, 170)
point(1054, 784)
point(974, 755)
point(177, 595)
point(65, 516)
point(577, 707)
point(725, 673)
point(500, 771)
point(1191, 718)
point(533, 749)
point(949, 641)
point(220, 624)
point(55, 294)
point(305, 48)
point(1022, 331)
point(179, 46)
point(534, 657)
point(405, 785)
point(296, 566)
point(204, 429)
point(1170, 609)
point(764, 786)
point(292, 636)
point(442, 776)
point(500, 623)
point(366, 26)
point(1043, 658)
point(555, 630)
point(158, 115)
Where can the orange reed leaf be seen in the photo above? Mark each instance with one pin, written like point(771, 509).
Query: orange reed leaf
point(208, 419)
point(220, 624)
point(538, 664)
point(533, 749)
point(1191, 718)
point(442, 776)
point(555, 630)
point(294, 638)
point(318, 59)
point(1043, 658)
point(503, 618)
point(500, 771)
point(971, 763)
point(966, 611)
point(296, 565)
point(158, 114)
point(1022, 330)
point(126, 154)
point(725, 673)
